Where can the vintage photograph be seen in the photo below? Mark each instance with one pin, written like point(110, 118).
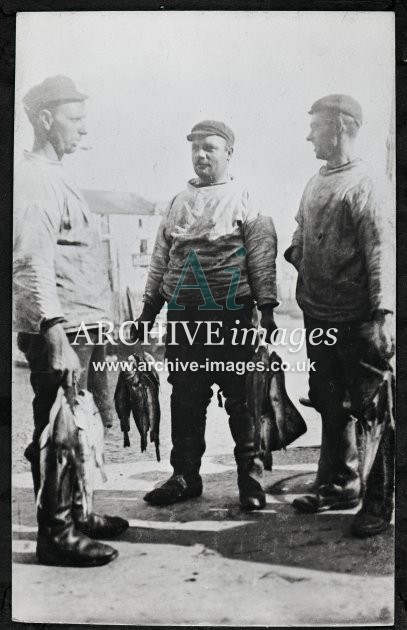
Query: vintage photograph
point(203, 318)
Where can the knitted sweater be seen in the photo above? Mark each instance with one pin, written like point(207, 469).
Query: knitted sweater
point(223, 226)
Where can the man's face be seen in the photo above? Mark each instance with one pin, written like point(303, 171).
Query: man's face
point(323, 135)
point(210, 158)
point(67, 126)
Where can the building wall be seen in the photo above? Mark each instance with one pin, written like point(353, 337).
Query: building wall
point(128, 242)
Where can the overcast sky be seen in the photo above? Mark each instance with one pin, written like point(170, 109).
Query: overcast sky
point(152, 75)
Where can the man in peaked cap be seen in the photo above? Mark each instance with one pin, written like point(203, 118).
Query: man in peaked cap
point(344, 253)
point(213, 258)
point(59, 283)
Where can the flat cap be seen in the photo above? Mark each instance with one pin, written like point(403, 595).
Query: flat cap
point(212, 128)
point(52, 89)
point(340, 104)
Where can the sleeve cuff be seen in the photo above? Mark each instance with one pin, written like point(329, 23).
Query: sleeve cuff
point(268, 305)
point(46, 324)
point(151, 309)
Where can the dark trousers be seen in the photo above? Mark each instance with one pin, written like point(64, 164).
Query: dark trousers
point(45, 385)
point(352, 371)
point(192, 390)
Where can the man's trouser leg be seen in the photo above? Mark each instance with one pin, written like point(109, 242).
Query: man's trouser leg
point(45, 391)
point(249, 465)
point(338, 481)
point(59, 542)
point(191, 394)
point(233, 387)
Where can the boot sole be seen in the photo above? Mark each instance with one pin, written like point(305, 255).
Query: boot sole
point(67, 562)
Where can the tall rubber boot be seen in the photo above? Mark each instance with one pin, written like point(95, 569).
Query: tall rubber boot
point(339, 455)
point(95, 525)
point(325, 470)
point(59, 543)
point(249, 465)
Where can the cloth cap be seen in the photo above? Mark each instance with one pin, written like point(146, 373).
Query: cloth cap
point(52, 89)
point(212, 128)
point(340, 104)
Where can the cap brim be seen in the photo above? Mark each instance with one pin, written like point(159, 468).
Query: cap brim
point(204, 134)
point(73, 96)
point(66, 97)
point(200, 134)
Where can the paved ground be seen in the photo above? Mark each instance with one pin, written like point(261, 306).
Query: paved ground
point(204, 561)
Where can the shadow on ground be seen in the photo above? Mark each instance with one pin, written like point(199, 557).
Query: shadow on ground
point(278, 535)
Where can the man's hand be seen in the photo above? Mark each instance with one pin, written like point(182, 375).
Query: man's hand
point(380, 333)
point(294, 256)
point(149, 315)
point(63, 361)
point(267, 320)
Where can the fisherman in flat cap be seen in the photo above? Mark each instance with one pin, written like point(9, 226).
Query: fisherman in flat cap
point(214, 258)
point(59, 282)
point(343, 252)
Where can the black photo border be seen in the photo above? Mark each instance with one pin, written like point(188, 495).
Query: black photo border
point(8, 10)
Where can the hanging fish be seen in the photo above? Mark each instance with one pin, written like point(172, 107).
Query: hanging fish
point(90, 445)
point(137, 391)
point(289, 423)
point(276, 420)
point(266, 438)
point(75, 408)
point(257, 384)
point(123, 407)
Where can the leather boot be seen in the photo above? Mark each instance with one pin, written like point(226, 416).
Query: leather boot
point(95, 525)
point(186, 482)
point(249, 480)
point(59, 542)
point(338, 479)
point(249, 465)
point(174, 490)
point(188, 417)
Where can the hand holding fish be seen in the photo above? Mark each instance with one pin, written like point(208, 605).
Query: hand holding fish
point(380, 333)
point(63, 361)
point(147, 316)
